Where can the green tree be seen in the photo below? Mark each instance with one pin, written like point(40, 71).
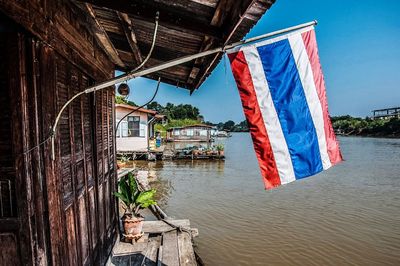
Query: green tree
point(228, 125)
point(156, 107)
point(122, 100)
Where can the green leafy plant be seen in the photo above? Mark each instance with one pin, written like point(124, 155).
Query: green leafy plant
point(132, 198)
point(219, 147)
point(124, 158)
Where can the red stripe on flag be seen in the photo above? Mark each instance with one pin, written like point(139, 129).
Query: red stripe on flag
point(262, 146)
point(310, 43)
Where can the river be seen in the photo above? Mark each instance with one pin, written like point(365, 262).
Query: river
point(347, 215)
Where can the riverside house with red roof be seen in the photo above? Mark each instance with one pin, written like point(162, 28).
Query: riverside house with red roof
point(135, 130)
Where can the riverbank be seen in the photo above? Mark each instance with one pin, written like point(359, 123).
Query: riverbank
point(354, 126)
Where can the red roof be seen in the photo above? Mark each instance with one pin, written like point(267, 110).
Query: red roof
point(130, 107)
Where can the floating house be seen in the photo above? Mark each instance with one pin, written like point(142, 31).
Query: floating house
point(198, 133)
point(57, 205)
point(136, 129)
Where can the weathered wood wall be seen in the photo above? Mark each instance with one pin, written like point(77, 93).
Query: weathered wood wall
point(61, 212)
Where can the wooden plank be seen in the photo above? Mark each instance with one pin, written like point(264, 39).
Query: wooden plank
point(170, 254)
point(160, 226)
point(220, 14)
point(171, 17)
point(124, 172)
point(127, 26)
point(151, 253)
point(103, 38)
point(211, 3)
point(124, 248)
point(54, 31)
point(186, 252)
point(237, 18)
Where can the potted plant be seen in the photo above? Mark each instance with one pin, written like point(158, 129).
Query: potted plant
point(195, 151)
point(121, 163)
point(220, 149)
point(133, 200)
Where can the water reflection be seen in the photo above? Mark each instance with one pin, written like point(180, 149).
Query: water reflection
point(159, 173)
point(348, 215)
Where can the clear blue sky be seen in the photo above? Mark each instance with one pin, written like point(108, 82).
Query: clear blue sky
point(359, 44)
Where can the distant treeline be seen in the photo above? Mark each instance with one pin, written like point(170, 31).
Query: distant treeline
point(185, 115)
point(173, 112)
point(348, 125)
point(231, 126)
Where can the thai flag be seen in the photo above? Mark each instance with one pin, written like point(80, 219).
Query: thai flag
point(282, 89)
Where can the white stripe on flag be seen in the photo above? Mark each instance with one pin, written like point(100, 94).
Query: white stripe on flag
point(307, 80)
point(270, 117)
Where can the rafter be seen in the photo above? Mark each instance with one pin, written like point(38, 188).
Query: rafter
point(239, 14)
point(103, 38)
point(127, 25)
point(220, 14)
point(173, 19)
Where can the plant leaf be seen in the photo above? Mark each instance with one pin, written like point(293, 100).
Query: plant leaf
point(123, 187)
point(132, 186)
point(121, 196)
point(145, 197)
point(148, 203)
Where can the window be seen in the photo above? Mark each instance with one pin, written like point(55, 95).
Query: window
point(118, 133)
point(189, 132)
point(133, 126)
point(203, 132)
point(124, 129)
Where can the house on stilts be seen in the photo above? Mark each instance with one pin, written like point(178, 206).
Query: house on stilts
point(62, 211)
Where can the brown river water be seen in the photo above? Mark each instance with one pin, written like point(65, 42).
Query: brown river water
point(348, 215)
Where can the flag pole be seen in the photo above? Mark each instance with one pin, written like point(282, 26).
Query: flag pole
point(139, 73)
point(131, 75)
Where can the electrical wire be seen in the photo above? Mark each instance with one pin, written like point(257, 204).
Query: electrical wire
point(34, 147)
point(143, 105)
point(50, 135)
point(152, 45)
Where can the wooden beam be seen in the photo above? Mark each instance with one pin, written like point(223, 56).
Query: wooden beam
point(127, 26)
point(211, 3)
point(220, 14)
point(103, 38)
point(169, 17)
point(240, 15)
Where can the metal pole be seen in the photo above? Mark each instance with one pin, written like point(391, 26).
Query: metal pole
point(134, 73)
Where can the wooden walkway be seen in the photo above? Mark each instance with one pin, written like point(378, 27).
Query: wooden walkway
point(162, 244)
point(165, 242)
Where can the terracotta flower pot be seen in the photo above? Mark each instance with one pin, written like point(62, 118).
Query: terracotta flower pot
point(132, 225)
point(221, 153)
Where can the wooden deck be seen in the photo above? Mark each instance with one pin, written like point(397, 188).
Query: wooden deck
point(162, 244)
point(165, 242)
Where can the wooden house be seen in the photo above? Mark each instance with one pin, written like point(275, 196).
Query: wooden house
point(197, 133)
point(62, 212)
point(135, 130)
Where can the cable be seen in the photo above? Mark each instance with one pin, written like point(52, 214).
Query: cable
point(134, 110)
point(152, 44)
point(51, 134)
point(34, 147)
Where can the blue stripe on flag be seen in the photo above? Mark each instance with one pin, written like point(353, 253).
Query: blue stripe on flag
point(292, 108)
